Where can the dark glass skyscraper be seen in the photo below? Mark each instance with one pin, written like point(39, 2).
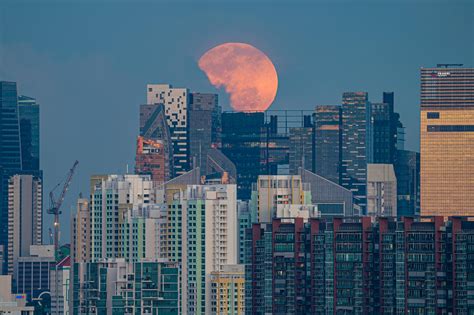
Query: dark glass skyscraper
point(204, 126)
point(407, 171)
point(241, 139)
point(356, 144)
point(327, 142)
point(381, 121)
point(10, 151)
point(29, 112)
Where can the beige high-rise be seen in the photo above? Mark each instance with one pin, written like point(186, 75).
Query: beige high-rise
point(447, 141)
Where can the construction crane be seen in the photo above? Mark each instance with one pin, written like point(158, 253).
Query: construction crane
point(55, 203)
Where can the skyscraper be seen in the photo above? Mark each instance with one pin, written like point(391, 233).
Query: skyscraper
point(204, 126)
point(241, 142)
point(28, 111)
point(356, 144)
point(327, 142)
point(154, 129)
point(300, 148)
point(10, 151)
point(202, 236)
point(381, 121)
point(447, 141)
point(152, 159)
point(176, 104)
point(381, 191)
point(407, 171)
point(25, 214)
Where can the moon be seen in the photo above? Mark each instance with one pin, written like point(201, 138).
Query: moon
point(246, 73)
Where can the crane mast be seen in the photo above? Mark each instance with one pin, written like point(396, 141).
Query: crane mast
point(55, 203)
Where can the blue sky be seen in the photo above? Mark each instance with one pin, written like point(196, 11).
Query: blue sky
point(88, 63)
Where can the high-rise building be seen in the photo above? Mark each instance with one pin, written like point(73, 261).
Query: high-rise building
point(202, 236)
point(10, 153)
point(124, 220)
point(355, 266)
point(154, 129)
point(447, 141)
point(382, 133)
point(204, 126)
point(241, 143)
point(272, 193)
point(381, 191)
point(176, 105)
point(80, 232)
point(25, 213)
point(152, 159)
point(327, 142)
point(407, 171)
point(114, 286)
point(300, 148)
point(228, 290)
point(356, 144)
point(60, 277)
point(29, 111)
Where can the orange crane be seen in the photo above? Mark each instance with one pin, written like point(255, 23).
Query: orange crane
point(55, 203)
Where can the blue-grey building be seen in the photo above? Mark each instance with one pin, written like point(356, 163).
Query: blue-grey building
point(357, 144)
point(407, 171)
point(10, 152)
point(29, 114)
point(327, 142)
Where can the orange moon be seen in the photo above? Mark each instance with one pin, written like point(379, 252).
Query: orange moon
point(245, 72)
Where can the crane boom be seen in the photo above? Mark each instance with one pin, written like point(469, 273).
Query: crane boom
point(55, 204)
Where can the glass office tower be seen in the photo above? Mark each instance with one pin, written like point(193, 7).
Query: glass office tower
point(447, 140)
point(28, 111)
point(10, 152)
point(356, 144)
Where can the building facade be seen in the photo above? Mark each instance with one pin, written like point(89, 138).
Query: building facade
point(125, 221)
point(356, 266)
point(300, 148)
point(29, 114)
point(271, 193)
point(32, 276)
point(113, 287)
point(447, 140)
point(381, 191)
point(204, 127)
point(327, 142)
point(25, 218)
point(356, 144)
point(241, 143)
point(228, 290)
point(176, 106)
point(10, 153)
point(407, 171)
point(152, 158)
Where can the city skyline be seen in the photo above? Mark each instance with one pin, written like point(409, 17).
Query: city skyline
point(81, 67)
point(240, 157)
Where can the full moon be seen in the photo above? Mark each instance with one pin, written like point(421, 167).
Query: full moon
point(245, 72)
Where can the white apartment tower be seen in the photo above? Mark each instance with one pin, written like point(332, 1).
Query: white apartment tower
point(125, 221)
point(209, 239)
